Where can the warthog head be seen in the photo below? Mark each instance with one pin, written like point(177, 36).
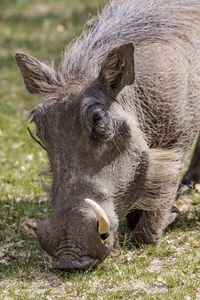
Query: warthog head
point(91, 142)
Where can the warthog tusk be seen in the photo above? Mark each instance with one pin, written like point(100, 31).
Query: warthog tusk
point(104, 223)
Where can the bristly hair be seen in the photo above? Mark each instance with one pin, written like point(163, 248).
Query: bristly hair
point(134, 21)
point(35, 139)
point(46, 174)
point(31, 115)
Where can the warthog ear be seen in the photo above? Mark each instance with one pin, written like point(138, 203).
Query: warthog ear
point(117, 70)
point(30, 225)
point(38, 77)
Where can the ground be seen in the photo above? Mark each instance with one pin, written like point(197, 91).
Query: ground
point(167, 271)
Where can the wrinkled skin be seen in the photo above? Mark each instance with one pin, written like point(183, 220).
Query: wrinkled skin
point(70, 244)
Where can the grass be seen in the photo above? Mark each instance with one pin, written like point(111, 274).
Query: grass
point(168, 271)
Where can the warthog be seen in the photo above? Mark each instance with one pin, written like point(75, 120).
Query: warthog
point(117, 123)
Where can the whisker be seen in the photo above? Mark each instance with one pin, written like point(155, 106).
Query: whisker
point(36, 140)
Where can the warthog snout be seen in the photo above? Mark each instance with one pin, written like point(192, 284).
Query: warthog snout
point(84, 263)
point(76, 239)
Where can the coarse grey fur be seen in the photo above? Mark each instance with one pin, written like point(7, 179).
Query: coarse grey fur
point(117, 123)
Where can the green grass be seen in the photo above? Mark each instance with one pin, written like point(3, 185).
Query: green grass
point(169, 271)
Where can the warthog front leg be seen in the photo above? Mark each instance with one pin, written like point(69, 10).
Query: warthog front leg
point(151, 225)
point(134, 217)
point(154, 207)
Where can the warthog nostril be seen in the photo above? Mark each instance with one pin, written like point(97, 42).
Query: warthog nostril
point(66, 264)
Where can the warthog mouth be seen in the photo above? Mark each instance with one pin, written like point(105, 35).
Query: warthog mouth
point(85, 262)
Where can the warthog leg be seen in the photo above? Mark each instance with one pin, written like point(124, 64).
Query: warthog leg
point(134, 216)
point(155, 210)
point(151, 225)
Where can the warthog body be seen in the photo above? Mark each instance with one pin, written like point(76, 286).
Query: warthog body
point(117, 123)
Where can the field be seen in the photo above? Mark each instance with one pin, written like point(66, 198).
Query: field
point(169, 271)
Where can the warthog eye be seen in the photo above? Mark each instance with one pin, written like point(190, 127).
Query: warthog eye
point(98, 115)
point(99, 121)
point(95, 113)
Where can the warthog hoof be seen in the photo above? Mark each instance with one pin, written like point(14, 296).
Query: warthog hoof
point(173, 214)
point(183, 188)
